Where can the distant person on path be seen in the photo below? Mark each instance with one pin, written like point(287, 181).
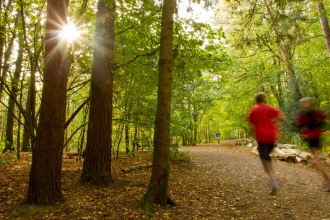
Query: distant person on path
point(310, 122)
point(263, 119)
point(217, 136)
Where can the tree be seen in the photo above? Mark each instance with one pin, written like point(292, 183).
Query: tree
point(198, 64)
point(5, 8)
point(34, 48)
point(136, 67)
point(158, 186)
point(324, 23)
point(14, 87)
point(45, 175)
point(97, 164)
point(285, 49)
point(14, 92)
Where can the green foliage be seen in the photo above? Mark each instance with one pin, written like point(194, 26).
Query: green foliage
point(255, 39)
point(326, 141)
point(298, 141)
point(217, 68)
point(2, 145)
point(199, 61)
point(4, 158)
point(14, 159)
point(180, 156)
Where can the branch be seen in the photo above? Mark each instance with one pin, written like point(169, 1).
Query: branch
point(13, 114)
point(120, 32)
point(79, 85)
point(75, 113)
point(11, 95)
point(83, 125)
point(137, 167)
point(135, 58)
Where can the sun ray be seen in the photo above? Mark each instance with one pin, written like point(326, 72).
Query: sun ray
point(70, 32)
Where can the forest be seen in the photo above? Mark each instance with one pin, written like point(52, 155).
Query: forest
point(103, 78)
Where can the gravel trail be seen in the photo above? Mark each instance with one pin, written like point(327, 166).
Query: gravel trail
point(227, 182)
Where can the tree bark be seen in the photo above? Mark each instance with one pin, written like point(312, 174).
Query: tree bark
point(324, 24)
point(82, 135)
point(30, 116)
point(26, 146)
point(45, 175)
point(195, 120)
point(127, 137)
point(6, 60)
point(2, 39)
point(135, 134)
point(278, 92)
point(127, 116)
point(12, 98)
point(158, 186)
point(3, 23)
point(97, 163)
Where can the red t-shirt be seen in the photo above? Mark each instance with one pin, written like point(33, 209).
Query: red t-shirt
point(263, 118)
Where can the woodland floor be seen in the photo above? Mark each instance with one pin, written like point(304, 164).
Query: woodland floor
point(221, 182)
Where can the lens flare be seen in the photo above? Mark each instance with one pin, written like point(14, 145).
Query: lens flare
point(70, 32)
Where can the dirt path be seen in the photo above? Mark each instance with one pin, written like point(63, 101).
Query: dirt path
point(227, 182)
point(222, 182)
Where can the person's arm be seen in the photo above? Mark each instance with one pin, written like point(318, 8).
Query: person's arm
point(322, 115)
point(319, 118)
point(277, 115)
point(281, 117)
point(250, 117)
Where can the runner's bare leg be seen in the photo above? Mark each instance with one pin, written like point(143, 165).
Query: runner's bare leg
point(269, 169)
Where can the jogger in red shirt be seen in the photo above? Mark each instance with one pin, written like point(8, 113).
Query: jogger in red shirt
point(263, 119)
point(310, 121)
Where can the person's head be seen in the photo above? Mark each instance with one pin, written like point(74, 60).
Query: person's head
point(306, 103)
point(260, 97)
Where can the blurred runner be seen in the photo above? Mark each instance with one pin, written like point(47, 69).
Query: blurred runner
point(263, 119)
point(310, 122)
point(217, 136)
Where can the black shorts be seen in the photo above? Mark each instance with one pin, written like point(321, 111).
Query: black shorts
point(313, 142)
point(264, 150)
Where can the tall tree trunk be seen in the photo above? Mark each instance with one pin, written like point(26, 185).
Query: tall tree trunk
point(127, 137)
point(18, 140)
point(127, 116)
point(278, 92)
point(158, 186)
point(27, 129)
point(3, 23)
point(11, 105)
point(5, 67)
point(45, 175)
point(30, 117)
point(286, 57)
point(2, 35)
point(195, 119)
point(324, 24)
point(135, 135)
point(81, 139)
point(97, 164)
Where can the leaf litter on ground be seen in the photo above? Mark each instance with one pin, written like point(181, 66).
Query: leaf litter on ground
point(220, 182)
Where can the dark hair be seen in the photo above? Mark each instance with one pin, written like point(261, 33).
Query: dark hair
point(260, 97)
